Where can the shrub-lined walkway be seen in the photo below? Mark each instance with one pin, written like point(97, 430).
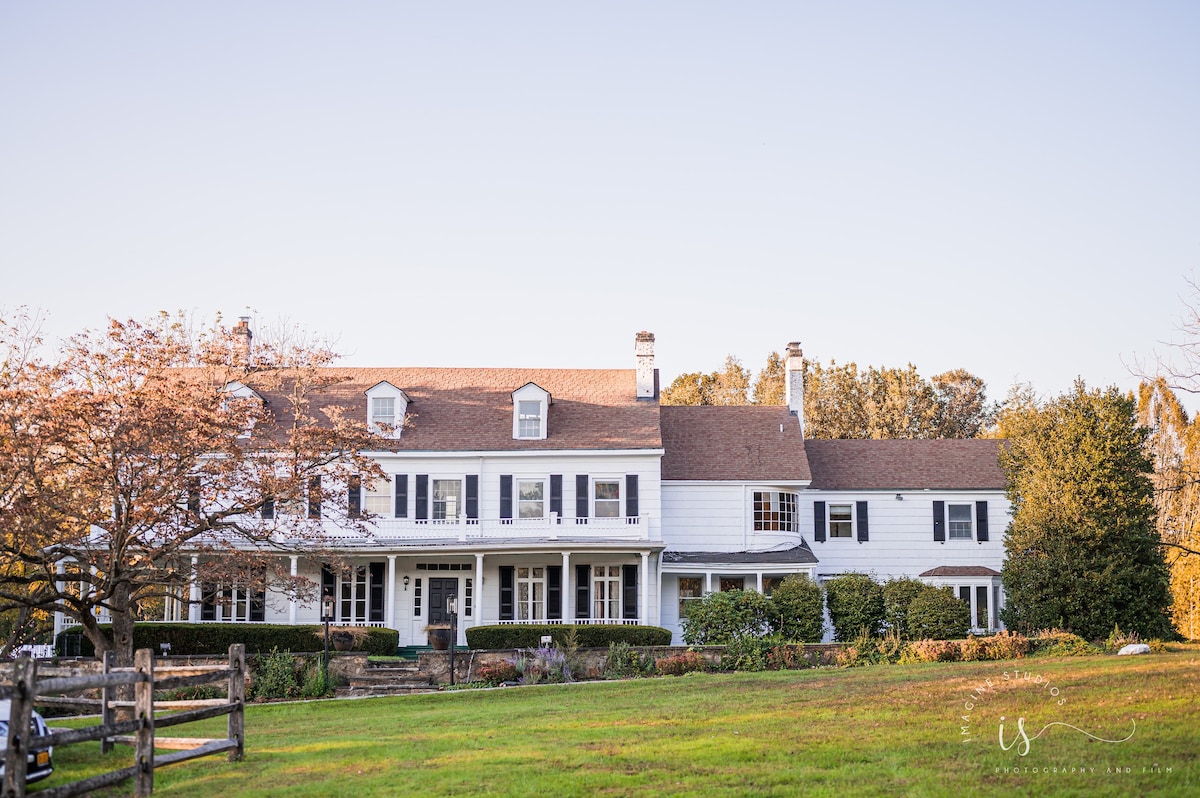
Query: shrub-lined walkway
point(865, 731)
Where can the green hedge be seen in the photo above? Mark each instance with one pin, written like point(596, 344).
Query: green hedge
point(215, 638)
point(589, 636)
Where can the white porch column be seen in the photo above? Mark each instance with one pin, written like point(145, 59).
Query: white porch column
point(292, 601)
point(60, 568)
point(193, 593)
point(708, 578)
point(389, 607)
point(477, 610)
point(568, 595)
point(758, 576)
point(644, 604)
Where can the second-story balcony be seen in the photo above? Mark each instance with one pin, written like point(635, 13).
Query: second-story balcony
point(466, 529)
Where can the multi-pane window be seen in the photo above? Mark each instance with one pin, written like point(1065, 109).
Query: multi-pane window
point(234, 603)
point(733, 583)
point(769, 583)
point(447, 496)
point(774, 510)
point(960, 521)
point(530, 498)
point(529, 419)
point(841, 520)
point(379, 498)
point(983, 619)
point(606, 591)
point(383, 410)
point(354, 595)
point(607, 498)
point(690, 589)
point(531, 593)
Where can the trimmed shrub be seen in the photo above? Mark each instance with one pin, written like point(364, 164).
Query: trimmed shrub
point(681, 663)
point(746, 653)
point(897, 595)
point(936, 612)
point(799, 607)
point(721, 618)
point(855, 604)
point(597, 636)
point(214, 639)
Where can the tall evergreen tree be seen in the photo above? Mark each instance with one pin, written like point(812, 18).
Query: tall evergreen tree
point(1082, 549)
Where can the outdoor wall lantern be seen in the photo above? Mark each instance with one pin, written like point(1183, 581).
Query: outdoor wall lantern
point(406, 581)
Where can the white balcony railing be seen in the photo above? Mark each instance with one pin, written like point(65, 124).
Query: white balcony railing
point(463, 529)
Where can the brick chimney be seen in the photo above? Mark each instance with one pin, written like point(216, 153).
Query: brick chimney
point(244, 338)
point(794, 381)
point(647, 376)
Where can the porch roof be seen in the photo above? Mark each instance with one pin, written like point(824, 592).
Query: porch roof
point(797, 555)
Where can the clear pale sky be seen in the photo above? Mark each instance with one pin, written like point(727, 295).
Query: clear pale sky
point(1013, 188)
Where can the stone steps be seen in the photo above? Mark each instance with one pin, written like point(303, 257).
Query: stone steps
point(390, 679)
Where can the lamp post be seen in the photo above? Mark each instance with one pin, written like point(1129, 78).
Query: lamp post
point(327, 616)
point(452, 610)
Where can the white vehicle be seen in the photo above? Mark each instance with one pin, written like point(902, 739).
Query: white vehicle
point(41, 760)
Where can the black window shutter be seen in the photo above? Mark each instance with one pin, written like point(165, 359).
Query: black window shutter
point(583, 591)
point(556, 495)
point(939, 521)
point(375, 586)
point(402, 495)
point(554, 574)
point(506, 496)
point(208, 602)
point(631, 495)
point(861, 521)
point(819, 522)
point(422, 511)
point(629, 590)
point(354, 496)
point(506, 592)
point(314, 497)
point(581, 496)
point(268, 509)
point(981, 528)
point(193, 495)
point(472, 507)
point(258, 606)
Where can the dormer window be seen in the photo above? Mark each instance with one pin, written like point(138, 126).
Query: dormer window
point(243, 399)
point(530, 403)
point(386, 406)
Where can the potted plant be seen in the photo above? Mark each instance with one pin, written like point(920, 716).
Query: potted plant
point(439, 636)
point(347, 638)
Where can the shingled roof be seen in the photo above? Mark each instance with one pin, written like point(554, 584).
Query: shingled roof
point(905, 464)
point(467, 409)
point(734, 443)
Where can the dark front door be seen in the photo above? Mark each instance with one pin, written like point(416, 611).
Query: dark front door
point(439, 591)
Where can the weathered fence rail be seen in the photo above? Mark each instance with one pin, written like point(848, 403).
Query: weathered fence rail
point(27, 691)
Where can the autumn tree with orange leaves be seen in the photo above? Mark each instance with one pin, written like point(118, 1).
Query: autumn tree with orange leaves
point(141, 450)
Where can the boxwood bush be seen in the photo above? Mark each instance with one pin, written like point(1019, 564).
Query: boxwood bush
point(215, 638)
point(589, 636)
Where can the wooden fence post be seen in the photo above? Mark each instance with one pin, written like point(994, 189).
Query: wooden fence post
point(107, 695)
point(143, 710)
point(20, 718)
point(237, 697)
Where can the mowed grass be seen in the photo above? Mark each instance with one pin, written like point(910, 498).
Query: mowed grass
point(888, 730)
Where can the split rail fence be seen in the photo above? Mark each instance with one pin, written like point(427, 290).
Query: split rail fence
point(140, 731)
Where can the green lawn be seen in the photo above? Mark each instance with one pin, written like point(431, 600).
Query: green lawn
point(888, 730)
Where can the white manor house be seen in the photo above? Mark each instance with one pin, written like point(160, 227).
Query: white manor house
point(573, 496)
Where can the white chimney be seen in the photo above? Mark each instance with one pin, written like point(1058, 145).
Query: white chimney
point(794, 381)
point(643, 348)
